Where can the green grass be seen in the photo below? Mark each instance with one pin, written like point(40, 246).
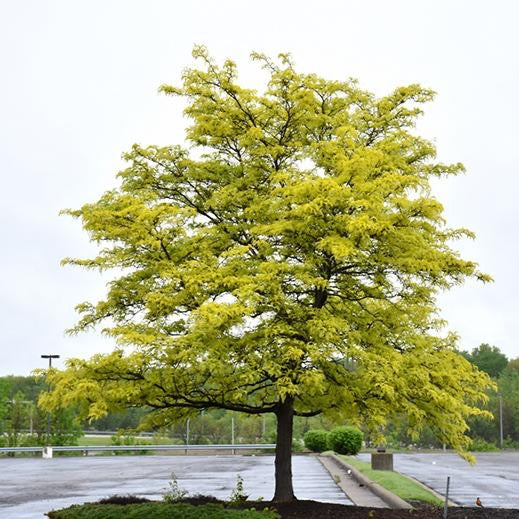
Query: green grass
point(90, 440)
point(107, 440)
point(158, 510)
point(395, 482)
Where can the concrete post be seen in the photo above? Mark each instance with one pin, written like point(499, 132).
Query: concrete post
point(47, 453)
point(382, 461)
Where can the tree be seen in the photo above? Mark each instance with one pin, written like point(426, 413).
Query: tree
point(508, 387)
point(289, 264)
point(4, 404)
point(18, 417)
point(513, 365)
point(22, 423)
point(124, 419)
point(488, 358)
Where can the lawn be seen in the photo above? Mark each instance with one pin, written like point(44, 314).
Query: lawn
point(107, 440)
point(95, 440)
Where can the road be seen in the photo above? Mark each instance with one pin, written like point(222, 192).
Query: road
point(29, 487)
point(494, 478)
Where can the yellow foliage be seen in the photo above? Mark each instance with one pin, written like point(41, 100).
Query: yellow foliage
point(299, 257)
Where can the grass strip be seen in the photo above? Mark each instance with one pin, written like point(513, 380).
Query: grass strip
point(158, 510)
point(395, 482)
point(107, 440)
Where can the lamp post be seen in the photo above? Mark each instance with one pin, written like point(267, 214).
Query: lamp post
point(501, 421)
point(50, 357)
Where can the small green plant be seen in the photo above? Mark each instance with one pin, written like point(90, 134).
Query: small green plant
point(510, 444)
point(175, 492)
point(316, 440)
point(297, 445)
point(346, 440)
point(238, 495)
point(128, 437)
point(481, 445)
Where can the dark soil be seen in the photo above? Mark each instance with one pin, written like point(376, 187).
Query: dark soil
point(123, 500)
point(318, 510)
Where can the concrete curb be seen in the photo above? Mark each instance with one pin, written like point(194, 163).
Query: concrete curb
point(359, 495)
point(388, 497)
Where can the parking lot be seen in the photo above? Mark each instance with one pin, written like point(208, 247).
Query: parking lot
point(29, 487)
point(494, 478)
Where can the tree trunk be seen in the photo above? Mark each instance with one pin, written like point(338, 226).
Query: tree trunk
point(283, 463)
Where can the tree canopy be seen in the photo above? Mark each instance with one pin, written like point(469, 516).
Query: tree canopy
point(286, 261)
point(489, 359)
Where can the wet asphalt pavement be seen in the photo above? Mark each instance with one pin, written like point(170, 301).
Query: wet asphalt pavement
point(30, 487)
point(494, 478)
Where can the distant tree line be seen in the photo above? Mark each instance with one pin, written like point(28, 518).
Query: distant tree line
point(504, 402)
point(22, 422)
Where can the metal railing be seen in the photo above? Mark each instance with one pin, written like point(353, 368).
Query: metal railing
point(92, 448)
point(21, 449)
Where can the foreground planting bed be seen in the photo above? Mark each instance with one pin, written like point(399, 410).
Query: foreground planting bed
point(210, 508)
point(158, 511)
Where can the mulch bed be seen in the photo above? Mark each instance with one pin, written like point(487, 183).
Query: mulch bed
point(317, 510)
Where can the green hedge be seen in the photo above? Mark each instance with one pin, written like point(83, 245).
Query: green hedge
point(316, 440)
point(346, 440)
point(159, 511)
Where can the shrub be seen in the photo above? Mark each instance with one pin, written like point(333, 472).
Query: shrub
point(159, 510)
point(480, 445)
point(297, 445)
point(510, 444)
point(346, 440)
point(127, 438)
point(316, 440)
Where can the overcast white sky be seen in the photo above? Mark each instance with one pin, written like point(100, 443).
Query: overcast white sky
point(79, 86)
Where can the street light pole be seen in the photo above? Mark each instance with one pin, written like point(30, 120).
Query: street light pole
point(50, 357)
point(500, 421)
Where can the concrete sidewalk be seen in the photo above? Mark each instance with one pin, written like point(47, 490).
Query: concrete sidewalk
point(361, 490)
